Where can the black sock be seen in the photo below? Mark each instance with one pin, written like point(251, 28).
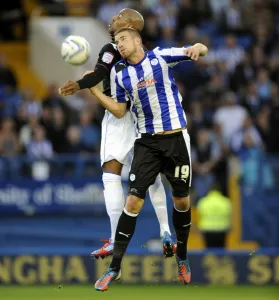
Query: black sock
point(180, 219)
point(124, 232)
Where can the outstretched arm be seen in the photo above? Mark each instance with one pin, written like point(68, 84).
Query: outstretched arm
point(91, 78)
point(175, 55)
point(107, 58)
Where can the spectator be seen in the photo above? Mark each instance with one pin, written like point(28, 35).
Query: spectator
point(39, 150)
point(242, 75)
point(166, 11)
point(20, 119)
point(73, 140)
point(190, 36)
point(53, 100)
point(262, 38)
point(215, 217)
point(89, 134)
point(204, 14)
point(109, 9)
point(30, 104)
point(254, 168)
point(27, 131)
point(7, 75)
point(264, 85)
point(151, 31)
point(39, 147)
point(186, 15)
point(258, 58)
point(9, 145)
point(248, 128)
point(10, 100)
point(231, 18)
point(230, 117)
point(46, 119)
point(251, 100)
point(196, 114)
point(9, 149)
point(205, 156)
point(258, 12)
point(216, 87)
point(167, 39)
point(57, 130)
point(218, 6)
point(263, 126)
point(231, 53)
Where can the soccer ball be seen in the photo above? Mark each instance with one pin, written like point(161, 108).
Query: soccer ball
point(75, 50)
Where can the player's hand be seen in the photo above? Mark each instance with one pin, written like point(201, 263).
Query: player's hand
point(69, 88)
point(193, 52)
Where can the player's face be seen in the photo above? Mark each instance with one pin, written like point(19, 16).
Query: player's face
point(126, 43)
point(117, 22)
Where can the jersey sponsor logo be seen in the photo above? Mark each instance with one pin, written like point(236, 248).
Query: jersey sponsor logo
point(132, 177)
point(143, 83)
point(107, 57)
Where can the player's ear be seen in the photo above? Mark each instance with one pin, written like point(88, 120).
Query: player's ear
point(138, 40)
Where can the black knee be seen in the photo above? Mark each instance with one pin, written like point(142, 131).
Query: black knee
point(139, 192)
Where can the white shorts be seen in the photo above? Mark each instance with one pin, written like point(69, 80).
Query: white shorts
point(118, 137)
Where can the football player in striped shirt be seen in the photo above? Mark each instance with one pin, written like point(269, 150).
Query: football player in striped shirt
point(118, 136)
point(144, 78)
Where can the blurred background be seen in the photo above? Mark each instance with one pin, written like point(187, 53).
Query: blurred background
point(52, 212)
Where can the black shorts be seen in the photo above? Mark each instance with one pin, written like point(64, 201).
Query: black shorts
point(168, 154)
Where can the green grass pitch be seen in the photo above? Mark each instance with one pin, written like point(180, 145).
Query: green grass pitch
point(152, 292)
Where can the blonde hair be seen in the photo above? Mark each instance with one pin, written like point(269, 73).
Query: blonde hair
point(131, 30)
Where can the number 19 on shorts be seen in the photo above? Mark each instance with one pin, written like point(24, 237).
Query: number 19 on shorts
point(182, 171)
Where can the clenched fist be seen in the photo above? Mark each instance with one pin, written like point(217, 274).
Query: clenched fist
point(193, 52)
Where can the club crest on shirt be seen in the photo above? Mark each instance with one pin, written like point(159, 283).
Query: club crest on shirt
point(154, 61)
point(107, 57)
point(132, 177)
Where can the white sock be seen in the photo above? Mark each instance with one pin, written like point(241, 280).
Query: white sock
point(159, 202)
point(114, 199)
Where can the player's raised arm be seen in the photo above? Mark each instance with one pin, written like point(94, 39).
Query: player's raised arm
point(175, 55)
point(92, 78)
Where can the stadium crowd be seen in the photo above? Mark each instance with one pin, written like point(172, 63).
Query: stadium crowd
point(231, 96)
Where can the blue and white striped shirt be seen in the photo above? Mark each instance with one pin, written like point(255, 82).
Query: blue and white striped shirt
point(150, 86)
